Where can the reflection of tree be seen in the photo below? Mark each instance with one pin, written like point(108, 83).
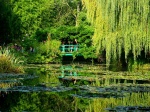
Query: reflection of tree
point(42, 102)
point(45, 76)
point(60, 102)
point(134, 99)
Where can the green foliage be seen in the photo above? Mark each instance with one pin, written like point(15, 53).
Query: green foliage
point(43, 102)
point(10, 23)
point(41, 35)
point(28, 22)
point(29, 13)
point(45, 52)
point(86, 52)
point(120, 26)
point(66, 12)
point(9, 63)
point(83, 33)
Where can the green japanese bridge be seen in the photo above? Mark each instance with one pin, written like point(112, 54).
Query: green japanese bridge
point(67, 50)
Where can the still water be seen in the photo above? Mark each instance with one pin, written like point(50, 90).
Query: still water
point(75, 88)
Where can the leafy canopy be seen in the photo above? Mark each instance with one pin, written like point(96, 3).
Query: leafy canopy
point(120, 26)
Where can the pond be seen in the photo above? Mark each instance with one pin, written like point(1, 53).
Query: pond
point(75, 88)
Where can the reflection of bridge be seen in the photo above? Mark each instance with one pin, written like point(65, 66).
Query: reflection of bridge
point(67, 50)
point(69, 71)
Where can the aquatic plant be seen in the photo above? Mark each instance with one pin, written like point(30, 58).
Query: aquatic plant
point(9, 63)
point(120, 26)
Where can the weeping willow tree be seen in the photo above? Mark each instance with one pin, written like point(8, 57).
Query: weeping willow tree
point(120, 26)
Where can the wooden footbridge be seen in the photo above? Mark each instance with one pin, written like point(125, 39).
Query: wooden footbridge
point(67, 50)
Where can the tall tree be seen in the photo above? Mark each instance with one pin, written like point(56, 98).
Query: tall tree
point(67, 12)
point(9, 23)
point(120, 26)
point(30, 13)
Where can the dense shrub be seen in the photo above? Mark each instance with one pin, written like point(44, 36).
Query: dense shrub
point(9, 63)
point(46, 52)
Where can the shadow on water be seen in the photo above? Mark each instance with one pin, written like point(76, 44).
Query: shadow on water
point(74, 88)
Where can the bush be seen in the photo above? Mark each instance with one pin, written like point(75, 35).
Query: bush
point(9, 63)
point(46, 52)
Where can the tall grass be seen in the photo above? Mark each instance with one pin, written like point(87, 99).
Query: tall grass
point(9, 63)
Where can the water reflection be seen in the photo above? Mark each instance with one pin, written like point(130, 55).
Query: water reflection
point(69, 71)
point(38, 102)
point(138, 102)
point(98, 76)
point(62, 102)
point(73, 89)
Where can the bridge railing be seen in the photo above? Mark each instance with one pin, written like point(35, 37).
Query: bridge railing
point(69, 48)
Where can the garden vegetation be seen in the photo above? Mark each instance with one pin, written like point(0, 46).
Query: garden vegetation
point(120, 26)
point(9, 63)
point(111, 29)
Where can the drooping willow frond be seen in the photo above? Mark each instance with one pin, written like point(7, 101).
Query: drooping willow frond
point(120, 25)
